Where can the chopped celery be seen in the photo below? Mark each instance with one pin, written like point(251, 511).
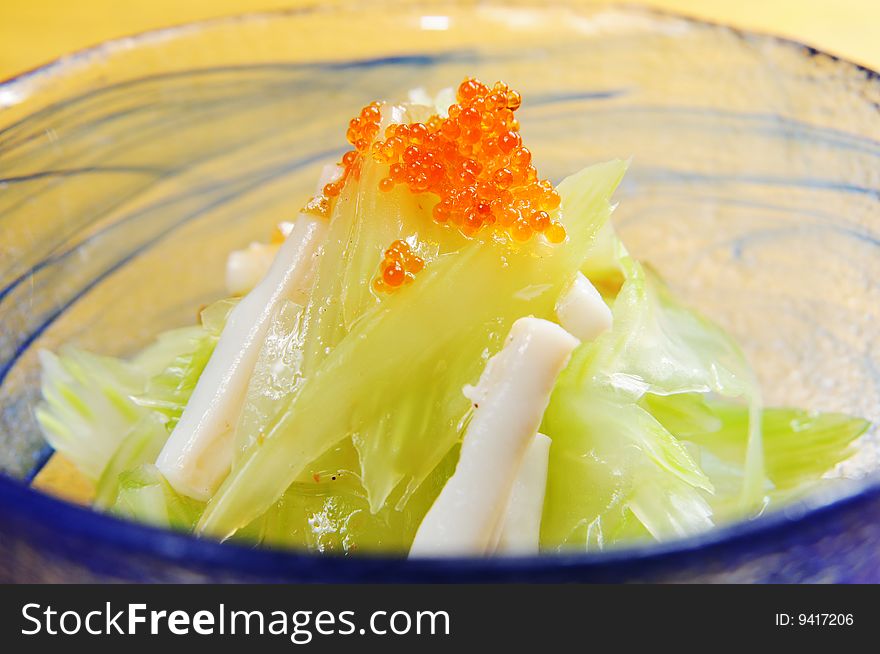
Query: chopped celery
point(169, 391)
point(154, 358)
point(683, 414)
point(611, 462)
point(214, 316)
point(145, 496)
point(328, 511)
point(186, 353)
point(86, 409)
point(601, 265)
point(403, 407)
point(661, 347)
point(94, 405)
point(275, 377)
point(347, 416)
point(141, 445)
point(603, 438)
point(800, 447)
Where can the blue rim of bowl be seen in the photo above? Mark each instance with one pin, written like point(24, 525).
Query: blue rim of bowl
point(29, 506)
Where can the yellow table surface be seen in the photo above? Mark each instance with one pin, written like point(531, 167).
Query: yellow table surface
point(33, 32)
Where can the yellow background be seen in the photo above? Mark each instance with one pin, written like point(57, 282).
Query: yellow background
point(33, 32)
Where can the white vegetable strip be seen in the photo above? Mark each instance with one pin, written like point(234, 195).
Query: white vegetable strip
point(582, 311)
point(510, 400)
point(198, 453)
point(521, 532)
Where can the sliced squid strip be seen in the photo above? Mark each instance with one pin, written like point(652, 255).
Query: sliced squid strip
point(521, 533)
point(198, 453)
point(582, 311)
point(510, 399)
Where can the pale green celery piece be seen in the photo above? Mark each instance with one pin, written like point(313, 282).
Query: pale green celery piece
point(683, 414)
point(362, 381)
point(392, 380)
point(130, 484)
point(396, 215)
point(141, 445)
point(154, 358)
point(328, 510)
point(667, 506)
point(145, 496)
point(275, 378)
point(342, 291)
point(662, 347)
point(168, 392)
point(174, 379)
point(731, 375)
point(800, 447)
point(659, 346)
point(92, 404)
point(86, 410)
point(602, 429)
point(364, 223)
point(609, 459)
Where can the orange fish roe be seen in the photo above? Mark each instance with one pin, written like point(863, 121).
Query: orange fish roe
point(473, 161)
point(362, 131)
point(398, 267)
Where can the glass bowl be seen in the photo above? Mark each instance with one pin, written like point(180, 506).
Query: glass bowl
point(128, 171)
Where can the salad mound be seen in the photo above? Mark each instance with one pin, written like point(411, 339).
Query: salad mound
point(441, 354)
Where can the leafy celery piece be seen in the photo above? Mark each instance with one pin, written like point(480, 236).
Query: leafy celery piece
point(328, 511)
point(602, 429)
point(176, 361)
point(214, 316)
point(168, 392)
point(92, 405)
point(612, 464)
point(145, 496)
point(86, 409)
point(154, 358)
point(683, 414)
point(301, 337)
point(800, 447)
point(364, 223)
point(729, 374)
point(185, 352)
point(659, 346)
point(392, 379)
point(141, 445)
point(391, 358)
point(276, 377)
